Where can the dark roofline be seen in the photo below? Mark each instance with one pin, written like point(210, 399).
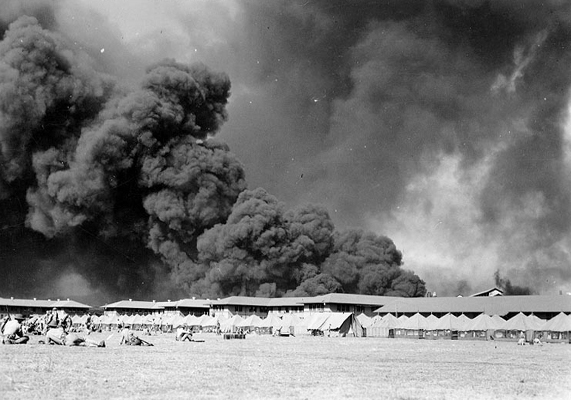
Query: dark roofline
point(487, 291)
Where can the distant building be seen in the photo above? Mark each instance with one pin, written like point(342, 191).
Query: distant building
point(489, 292)
point(240, 305)
point(130, 307)
point(186, 306)
point(35, 306)
point(343, 302)
point(544, 307)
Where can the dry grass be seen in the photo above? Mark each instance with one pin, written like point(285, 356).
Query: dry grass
point(262, 367)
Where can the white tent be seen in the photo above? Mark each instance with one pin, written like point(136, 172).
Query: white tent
point(343, 324)
point(382, 326)
point(364, 320)
point(231, 324)
point(213, 321)
point(560, 323)
point(521, 322)
point(250, 322)
point(484, 322)
point(316, 321)
point(416, 322)
point(270, 321)
point(290, 324)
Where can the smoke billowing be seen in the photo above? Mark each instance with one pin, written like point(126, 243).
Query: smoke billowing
point(111, 190)
point(444, 125)
point(508, 288)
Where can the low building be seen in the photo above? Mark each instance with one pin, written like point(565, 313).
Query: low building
point(489, 292)
point(131, 307)
point(186, 307)
point(35, 306)
point(342, 302)
point(544, 307)
point(240, 305)
point(285, 305)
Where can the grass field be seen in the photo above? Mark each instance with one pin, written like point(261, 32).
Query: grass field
point(263, 367)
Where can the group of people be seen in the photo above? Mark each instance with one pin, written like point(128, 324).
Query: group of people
point(522, 340)
point(55, 326)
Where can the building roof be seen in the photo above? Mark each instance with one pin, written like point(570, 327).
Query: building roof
point(12, 302)
point(495, 305)
point(286, 302)
point(167, 303)
point(488, 291)
point(193, 303)
point(134, 304)
point(242, 301)
point(344, 298)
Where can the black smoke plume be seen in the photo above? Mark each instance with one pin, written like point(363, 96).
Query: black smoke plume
point(123, 191)
point(510, 289)
point(103, 172)
point(265, 250)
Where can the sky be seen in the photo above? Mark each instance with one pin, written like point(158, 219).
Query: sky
point(443, 125)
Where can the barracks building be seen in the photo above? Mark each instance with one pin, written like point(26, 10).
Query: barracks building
point(489, 302)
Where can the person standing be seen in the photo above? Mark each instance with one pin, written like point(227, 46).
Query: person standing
point(52, 319)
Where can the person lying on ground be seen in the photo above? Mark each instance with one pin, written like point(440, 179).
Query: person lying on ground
point(129, 338)
point(12, 332)
point(73, 339)
point(58, 337)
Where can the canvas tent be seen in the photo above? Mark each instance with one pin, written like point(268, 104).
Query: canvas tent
point(231, 324)
point(365, 320)
point(316, 321)
point(336, 324)
point(484, 322)
point(290, 324)
point(560, 323)
point(250, 322)
point(521, 322)
point(344, 324)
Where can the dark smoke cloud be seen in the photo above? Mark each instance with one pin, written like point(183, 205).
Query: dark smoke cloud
point(97, 169)
point(121, 191)
point(265, 250)
point(508, 288)
point(439, 123)
point(442, 124)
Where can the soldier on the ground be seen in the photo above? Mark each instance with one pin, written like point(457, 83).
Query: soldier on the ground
point(12, 331)
point(183, 333)
point(129, 338)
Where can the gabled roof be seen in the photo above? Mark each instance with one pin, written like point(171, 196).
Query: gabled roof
point(134, 304)
point(344, 298)
point(487, 292)
point(499, 305)
point(11, 302)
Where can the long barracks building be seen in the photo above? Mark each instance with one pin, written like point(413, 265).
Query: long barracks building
point(544, 307)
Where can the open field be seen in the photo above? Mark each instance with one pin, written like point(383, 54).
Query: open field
point(263, 367)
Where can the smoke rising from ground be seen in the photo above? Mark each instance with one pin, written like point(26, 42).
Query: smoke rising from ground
point(443, 124)
point(120, 190)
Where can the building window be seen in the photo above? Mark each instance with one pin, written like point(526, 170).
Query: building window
point(343, 307)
